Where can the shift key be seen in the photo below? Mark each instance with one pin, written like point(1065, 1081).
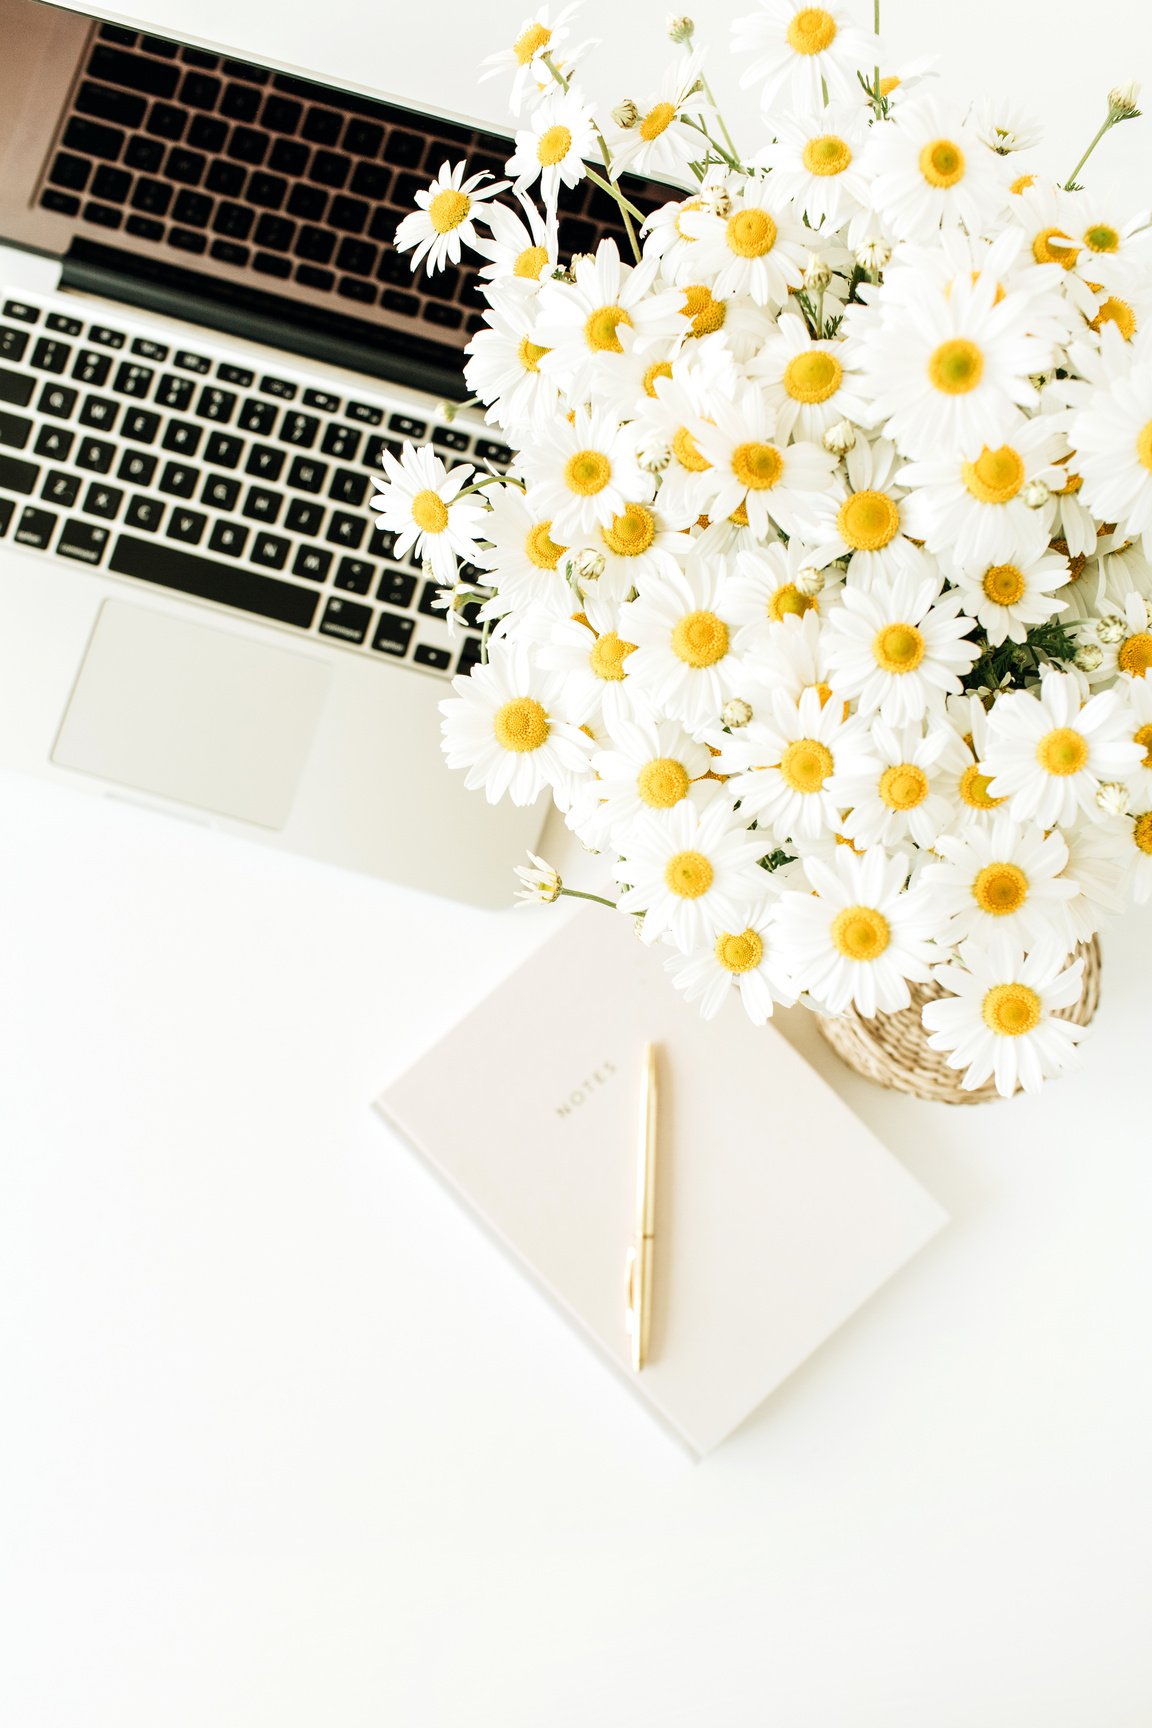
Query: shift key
point(16, 476)
point(14, 430)
point(16, 387)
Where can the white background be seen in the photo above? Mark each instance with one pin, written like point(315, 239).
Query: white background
point(285, 1442)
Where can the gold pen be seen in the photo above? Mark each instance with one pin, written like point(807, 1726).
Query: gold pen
point(641, 1254)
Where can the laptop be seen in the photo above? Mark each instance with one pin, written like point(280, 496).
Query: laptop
point(207, 339)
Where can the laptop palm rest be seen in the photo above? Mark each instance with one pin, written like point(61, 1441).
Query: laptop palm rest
point(193, 713)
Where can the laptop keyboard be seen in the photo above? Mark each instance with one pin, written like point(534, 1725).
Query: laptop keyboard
point(216, 160)
point(210, 476)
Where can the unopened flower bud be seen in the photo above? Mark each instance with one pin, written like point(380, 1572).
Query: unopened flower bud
point(579, 258)
point(680, 28)
point(586, 565)
point(810, 581)
point(1112, 797)
point(1089, 656)
point(1035, 495)
point(817, 274)
point(1122, 101)
point(626, 113)
point(874, 254)
point(446, 411)
point(654, 455)
point(737, 712)
point(716, 198)
point(1111, 628)
point(839, 439)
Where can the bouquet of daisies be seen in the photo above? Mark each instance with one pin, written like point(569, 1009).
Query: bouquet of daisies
point(819, 592)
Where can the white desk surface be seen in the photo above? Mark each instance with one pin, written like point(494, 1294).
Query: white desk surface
point(284, 1441)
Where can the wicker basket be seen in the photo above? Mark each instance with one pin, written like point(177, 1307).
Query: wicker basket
point(893, 1048)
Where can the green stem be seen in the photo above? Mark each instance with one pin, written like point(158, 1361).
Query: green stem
point(1108, 121)
point(489, 480)
point(876, 68)
point(578, 894)
point(698, 126)
point(707, 89)
point(626, 210)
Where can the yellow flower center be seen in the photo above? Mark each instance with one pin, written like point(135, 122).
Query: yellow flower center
point(1143, 737)
point(826, 154)
point(600, 329)
point(1000, 889)
point(1022, 183)
point(751, 233)
point(1144, 446)
point(587, 473)
point(811, 31)
point(956, 367)
point(973, 789)
point(689, 204)
point(860, 933)
point(741, 953)
point(1003, 584)
point(1053, 246)
point(608, 656)
point(700, 639)
point(705, 311)
point(658, 369)
point(530, 262)
point(887, 85)
point(942, 163)
point(536, 37)
point(867, 521)
point(554, 145)
point(688, 874)
point(631, 534)
point(1102, 238)
point(448, 209)
point(813, 376)
point(685, 451)
point(429, 512)
point(1142, 832)
point(1010, 1010)
point(806, 764)
point(540, 549)
point(1118, 312)
point(996, 475)
point(903, 786)
point(898, 648)
point(657, 120)
point(1135, 655)
point(739, 516)
point(662, 783)
point(787, 600)
point(530, 354)
point(521, 725)
point(1062, 752)
point(757, 466)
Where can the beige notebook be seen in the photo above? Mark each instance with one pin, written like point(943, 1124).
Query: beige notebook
point(777, 1212)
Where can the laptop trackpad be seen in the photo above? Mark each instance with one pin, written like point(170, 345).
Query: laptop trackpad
point(193, 713)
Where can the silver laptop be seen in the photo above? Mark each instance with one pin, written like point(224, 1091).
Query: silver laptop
point(206, 341)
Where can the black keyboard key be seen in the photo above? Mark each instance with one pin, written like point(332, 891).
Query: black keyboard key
point(187, 240)
point(405, 426)
point(220, 492)
point(275, 232)
point(288, 157)
point(175, 393)
point(157, 45)
point(438, 659)
point(347, 620)
point(146, 349)
point(303, 516)
point(215, 404)
point(282, 388)
point(20, 309)
point(281, 114)
point(200, 91)
point(200, 57)
point(488, 450)
point(182, 438)
point(152, 77)
point(144, 228)
point(393, 634)
point(444, 285)
point(266, 190)
point(17, 476)
point(35, 528)
point(307, 202)
point(145, 514)
point(309, 276)
point(269, 264)
point(229, 584)
point(186, 167)
point(193, 209)
point(83, 541)
point(111, 184)
point(358, 257)
point(223, 450)
point(50, 356)
point(427, 603)
point(237, 375)
point(346, 530)
point(71, 172)
point(305, 475)
point(168, 122)
point(450, 438)
point(62, 203)
point(178, 479)
point(349, 215)
point(247, 145)
point(187, 526)
point(16, 388)
point(364, 413)
point(447, 317)
point(328, 169)
point(102, 501)
point(375, 448)
point(141, 425)
point(240, 69)
point(103, 215)
point(207, 134)
point(315, 244)
point(394, 266)
point(89, 138)
point(299, 429)
point(403, 148)
point(59, 488)
point(92, 368)
point(228, 252)
point(105, 337)
point(264, 462)
point(229, 538)
point(133, 380)
point(53, 442)
point(99, 413)
point(470, 655)
point(270, 551)
point(117, 33)
point(7, 508)
point(322, 126)
point(146, 154)
point(227, 178)
point(233, 219)
point(117, 106)
point(193, 362)
point(257, 417)
point(152, 196)
point(262, 505)
point(240, 103)
point(312, 562)
point(12, 342)
point(96, 455)
point(355, 288)
point(355, 575)
point(348, 487)
point(362, 137)
point(341, 442)
point(136, 468)
point(397, 588)
point(370, 180)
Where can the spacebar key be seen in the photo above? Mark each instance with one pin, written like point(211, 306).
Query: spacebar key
point(153, 561)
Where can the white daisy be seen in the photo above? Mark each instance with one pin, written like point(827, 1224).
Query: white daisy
point(446, 219)
point(579, 322)
point(645, 765)
point(524, 559)
point(758, 248)
point(1004, 127)
point(982, 511)
point(1004, 881)
point(503, 368)
point(816, 162)
point(522, 245)
point(1113, 443)
point(785, 764)
point(930, 170)
point(590, 659)
point(999, 1020)
point(773, 583)
point(734, 320)
point(540, 883)
point(1097, 868)
point(736, 962)
point(1047, 750)
point(690, 872)
point(1123, 638)
point(538, 37)
point(419, 502)
point(501, 727)
point(808, 385)
point(685, 661)
point(748, 467)
point(860, 936)
point(1139, 694)
point(660, 143)
point(788, 656)
point(904, 792)
point(584, 473)
point(1006, 599)
point(1137, 830)
point(901, 650)
point(636, 546)
point(559, 135)
point(866, 526)
point(802, 54)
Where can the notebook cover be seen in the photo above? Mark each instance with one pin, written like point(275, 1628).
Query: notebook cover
point(778, 1211)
